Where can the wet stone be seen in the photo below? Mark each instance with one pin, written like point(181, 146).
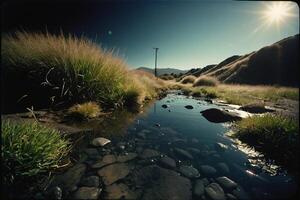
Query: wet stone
point(215, 192)
point(220, 146)
point(149, 153)
point(127, 157)
point(165, 106)
point(208, 170)
point(189, 107)
point(119, 191)
point(55, 193)
point(100, 142)
point(90, 181)
point(167, 162)
point(231, 197)
point(189, 171)
point(91, 152)
point(226, 183)
point(106, 160)
point(183, 153)
point(194, 151)
point(198, 188)
point(113, 173)
point(223, 168)
point(87, 193)
point(240, 193)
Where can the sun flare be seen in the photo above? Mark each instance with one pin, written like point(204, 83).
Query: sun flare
point(278, 12)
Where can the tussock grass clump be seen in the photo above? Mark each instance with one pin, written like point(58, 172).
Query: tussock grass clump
point(29, 149)
point(85, 110)
point(206, 81)
point(58, 69)
point(275, 135)
point(188, 79)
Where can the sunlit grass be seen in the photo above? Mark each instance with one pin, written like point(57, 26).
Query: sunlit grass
point(206, 81)
point(188, 79)
point(85, 110)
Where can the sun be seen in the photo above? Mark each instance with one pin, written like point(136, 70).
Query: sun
point(277, 12)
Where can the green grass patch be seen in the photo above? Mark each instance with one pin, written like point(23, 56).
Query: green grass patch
point(276, 136)
point(29, 149)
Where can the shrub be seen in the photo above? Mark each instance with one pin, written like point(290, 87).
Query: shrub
point(206, 81)
point(188, 79)
point(29, 149)
point(85, 110)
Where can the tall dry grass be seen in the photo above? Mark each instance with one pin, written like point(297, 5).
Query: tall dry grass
point(66, 69)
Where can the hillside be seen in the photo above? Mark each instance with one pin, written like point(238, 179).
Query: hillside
point(274, 64)
point(161, 71)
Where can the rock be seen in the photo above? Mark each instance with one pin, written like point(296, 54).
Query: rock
point(165, 106)
point(183, 153)
point(90, 181)
point(255, 108)
point(127, 157)
point(149, 153)
point(194, 150)
point(71, 178)
point(157, 125)
point(226, 183)
point(113, 173)
point(189, 107)
point(55, 193)
point(208, 170)
point(100, 141)
point(219, 116)
point(198, 188)
point(230, 197)
point(106, 160)
point(215, 192)
point(220, 146)
point(160, 183)
point(223, 168)
point(167, 162)
point(87, 193)
point(208, 100)
point(91, 152)
point(189, 171)
point(119, 191)
point(240, 193)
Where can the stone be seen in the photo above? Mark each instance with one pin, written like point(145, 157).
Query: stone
point(157, 125)
point(183, 153)
point(119, 191)
point(223, 168)
point(90, 181)
point(198, 188)
point(189, 107)
point(194, 150)
point(55, 193)
point(230, 197)
point(113, 172)
point(160, 183)
point(149, 153)
point(220, 146)
point(165, 106)
point(215, 192)
point(91, 152)
point(219, 116)
point(126, 157)
point(255, 108)
point(226, 183)
point(87, 193)
point(189, 171)
point(167, 162)
point(100, 141)
point(240, 193)
point(208, 170)
point(70, 178)
point(106, 160)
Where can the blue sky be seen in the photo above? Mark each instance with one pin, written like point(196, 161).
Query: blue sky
point(189, 34)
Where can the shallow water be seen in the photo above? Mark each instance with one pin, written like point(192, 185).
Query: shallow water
point(164, 129)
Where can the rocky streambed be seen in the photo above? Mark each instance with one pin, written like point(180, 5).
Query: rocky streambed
point(170, 152)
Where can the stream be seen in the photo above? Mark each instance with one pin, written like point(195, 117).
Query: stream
point(170, 152)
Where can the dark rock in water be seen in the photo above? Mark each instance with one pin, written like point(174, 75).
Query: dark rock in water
point(106, 160)
point(226, 183)
point(223, 168)
point(198, 188)
point(165, 106)
point(167, 162)
point(208, 100)
point(208, 170)
point(119, 191)
point(157, 125)
point(183, 153)
point(71, 178)
point(215, 192)
point(113, 173)
point(55, 193)
point(220, 146)
point(90, 181)
point(194, 150)
point(240, 193)
point(219, 116)
point(91, 152)
point(162, 183)
point(189, 171)
point(230, 197)
point(149, 153)
point(127, 157)
point(189, 107)
point(255, 108)
point(87, 193)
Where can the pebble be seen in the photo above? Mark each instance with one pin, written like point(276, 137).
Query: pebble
point(223, 168)
point(107, 159)
point(208, 170)
point(189, 107)
point(90, 181)
point(215, 192)
point(87, 193)
point(189, 171)
point(183, 153)
point(127, 157)
point(167, 162)
point(198, 188)
point(100, 141)
point(226, 183)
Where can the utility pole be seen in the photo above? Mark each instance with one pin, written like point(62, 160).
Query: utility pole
point(155, 69)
